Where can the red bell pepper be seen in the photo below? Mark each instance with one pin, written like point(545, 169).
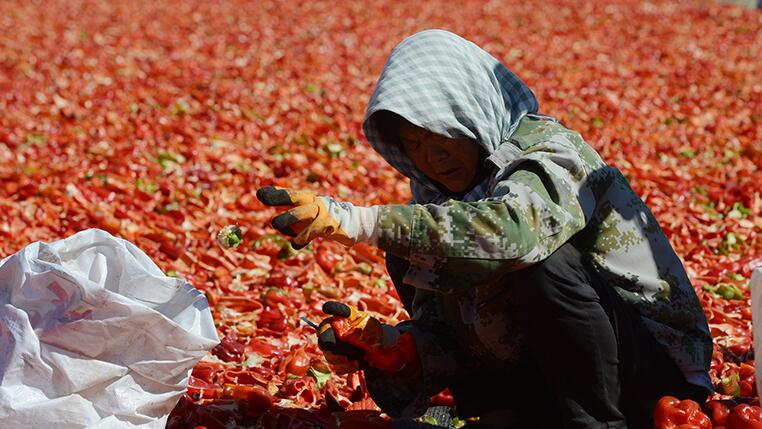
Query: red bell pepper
point(258, 399)
point(718, 411)
point(745, 416)
point(199, 388)
point(443, 398)
point(402, 356)
point(229, 349)
point(748, 382)
point(297, 363)
point(327, 258)
point(672, 413)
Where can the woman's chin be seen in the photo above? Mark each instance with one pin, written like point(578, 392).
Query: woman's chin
point(455, 187)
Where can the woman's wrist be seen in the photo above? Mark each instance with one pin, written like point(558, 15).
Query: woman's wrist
point(367, 225)
point(357, 222)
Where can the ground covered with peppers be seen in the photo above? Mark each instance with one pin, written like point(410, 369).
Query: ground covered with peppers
point(157, 121)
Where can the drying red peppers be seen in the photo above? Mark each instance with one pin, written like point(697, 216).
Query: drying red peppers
point(672, 413)
point(163, 142)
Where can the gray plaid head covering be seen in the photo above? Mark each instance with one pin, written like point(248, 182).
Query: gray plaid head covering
point(448, 85)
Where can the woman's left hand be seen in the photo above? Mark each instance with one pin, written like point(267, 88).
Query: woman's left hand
point(315, 216)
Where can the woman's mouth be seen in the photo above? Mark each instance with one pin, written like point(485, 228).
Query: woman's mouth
point(448, 171)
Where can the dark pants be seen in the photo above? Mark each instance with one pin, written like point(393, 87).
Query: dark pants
point(593, 363)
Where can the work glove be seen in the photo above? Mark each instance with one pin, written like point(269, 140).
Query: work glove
point(342, 357)
point(359, 338)
point(318, 216)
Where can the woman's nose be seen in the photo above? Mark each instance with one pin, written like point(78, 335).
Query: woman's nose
point(436, 153)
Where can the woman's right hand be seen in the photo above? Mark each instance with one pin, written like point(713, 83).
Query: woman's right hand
point(353, 339)
point(341, 356)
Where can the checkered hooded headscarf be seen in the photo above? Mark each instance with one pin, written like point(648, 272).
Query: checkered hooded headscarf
point(443, 83)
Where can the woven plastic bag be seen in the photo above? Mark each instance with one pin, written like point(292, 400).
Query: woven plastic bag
point(94, 335)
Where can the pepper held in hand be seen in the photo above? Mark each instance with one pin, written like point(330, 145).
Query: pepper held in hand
point(672, 413)
point(383, 345)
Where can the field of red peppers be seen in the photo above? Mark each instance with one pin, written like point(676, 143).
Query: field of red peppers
point(157, 122)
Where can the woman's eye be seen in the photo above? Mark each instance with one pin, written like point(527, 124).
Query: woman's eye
point(412, 144)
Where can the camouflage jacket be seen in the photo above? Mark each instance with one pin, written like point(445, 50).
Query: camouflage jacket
point(548, 187)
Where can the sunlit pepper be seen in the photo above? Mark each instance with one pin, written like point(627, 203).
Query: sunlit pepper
point(672, 413)
point(718, 412)
point(745, 416)
point(748, 383)
point(259, 400)
point(229, 349)
point(326, 258)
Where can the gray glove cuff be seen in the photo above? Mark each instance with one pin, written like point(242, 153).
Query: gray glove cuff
point(359, 223)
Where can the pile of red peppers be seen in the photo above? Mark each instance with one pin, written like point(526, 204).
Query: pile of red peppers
point(672, 413)
point(158, 120)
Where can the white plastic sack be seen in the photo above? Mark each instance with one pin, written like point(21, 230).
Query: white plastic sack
point(94, 335)
point(756, 320)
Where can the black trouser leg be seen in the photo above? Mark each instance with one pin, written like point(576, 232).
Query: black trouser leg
point(571, 329)
point(605, 368)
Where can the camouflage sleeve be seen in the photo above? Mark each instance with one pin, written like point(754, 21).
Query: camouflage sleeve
point(538, 202)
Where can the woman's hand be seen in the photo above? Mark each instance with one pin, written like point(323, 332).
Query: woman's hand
point(346, 336)
point(351, 338)
point(315, 216)
point(342, 357)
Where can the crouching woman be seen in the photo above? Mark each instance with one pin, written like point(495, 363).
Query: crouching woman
point(541, 289)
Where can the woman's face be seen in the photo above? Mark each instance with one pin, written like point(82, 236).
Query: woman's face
point(451, 162)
